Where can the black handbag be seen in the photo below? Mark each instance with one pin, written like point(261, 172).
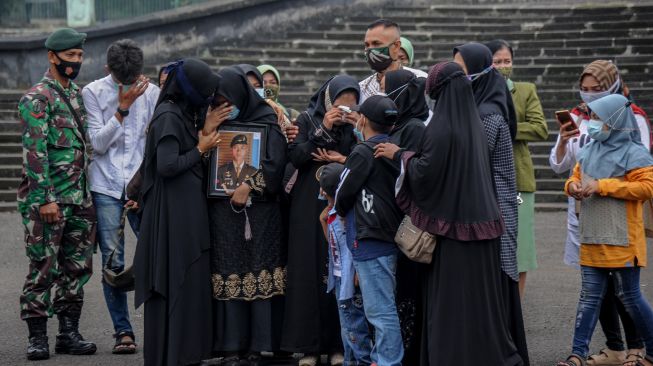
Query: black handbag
point(123, 280)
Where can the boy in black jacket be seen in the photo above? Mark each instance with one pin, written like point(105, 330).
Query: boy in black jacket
point(367, 186)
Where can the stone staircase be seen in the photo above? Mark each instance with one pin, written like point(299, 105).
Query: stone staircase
point(552, 44)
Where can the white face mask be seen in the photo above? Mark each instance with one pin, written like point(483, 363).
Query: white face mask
point(589, 97)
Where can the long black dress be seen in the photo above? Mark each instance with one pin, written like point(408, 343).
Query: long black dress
point(311, 322)
point(171, 264)
point(408, 93)
point(447, 190)
point(250, 275)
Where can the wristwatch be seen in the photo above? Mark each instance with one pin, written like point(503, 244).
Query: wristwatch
point(123, 112)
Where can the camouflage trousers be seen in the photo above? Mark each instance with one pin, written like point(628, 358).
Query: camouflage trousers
point(59, 254)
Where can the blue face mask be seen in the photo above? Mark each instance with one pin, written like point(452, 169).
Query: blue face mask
point(596, 132)
point(261, 92)
point(234, 113)
point(358, 133)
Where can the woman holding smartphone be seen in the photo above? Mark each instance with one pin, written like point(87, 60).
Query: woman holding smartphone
point(598, 79)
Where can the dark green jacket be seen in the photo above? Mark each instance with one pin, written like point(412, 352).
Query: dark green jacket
point(531, 126)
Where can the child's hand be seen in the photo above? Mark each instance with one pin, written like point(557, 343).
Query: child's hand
point(590, 187)
point(385, 150)
point(574, 189)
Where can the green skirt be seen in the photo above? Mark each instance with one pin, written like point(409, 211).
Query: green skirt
point(526, 256)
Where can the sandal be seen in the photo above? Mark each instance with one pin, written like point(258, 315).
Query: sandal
point(607, 357)
point(637, 358)
point(572, 360)
point(125, 343)
point(308, 361)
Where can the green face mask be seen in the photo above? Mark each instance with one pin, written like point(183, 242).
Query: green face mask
point(506, 72)
point(125, 87)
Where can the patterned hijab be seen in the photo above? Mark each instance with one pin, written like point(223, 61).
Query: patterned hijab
point(604, 71)
point(623, 150)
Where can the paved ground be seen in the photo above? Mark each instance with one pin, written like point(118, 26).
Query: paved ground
point(549, 306)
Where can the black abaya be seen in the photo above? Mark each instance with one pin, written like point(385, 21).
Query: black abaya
point(311, 323)
point(172, 257)
point(171, 265)
point(250, 275)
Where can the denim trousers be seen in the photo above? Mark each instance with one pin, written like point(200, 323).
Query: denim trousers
point(377, 283)
point(355, 333)
point(613, 315)
point(109, 212)
point(593, 290)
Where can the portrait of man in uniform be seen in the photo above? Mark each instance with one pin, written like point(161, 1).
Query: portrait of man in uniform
point(232, 174)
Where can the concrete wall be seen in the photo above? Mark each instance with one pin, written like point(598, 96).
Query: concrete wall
point(167, 35)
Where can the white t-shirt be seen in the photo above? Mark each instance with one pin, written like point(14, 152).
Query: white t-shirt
point(370, 86)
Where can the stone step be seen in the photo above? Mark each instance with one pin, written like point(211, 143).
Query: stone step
point(8, 206)
point(520, 9)
point(11, 158)
point(10, 126)
point(521, 50)
point(357, 44)
point(550, 207)
point(10, 148)
point(550, 197)
point(545, 172)
point(425, 36)
point(9, 171)
point(14, 137)
point(8, 195)
point(357, 59)
point(550, 184)
point(9, 183)
point(489, 25)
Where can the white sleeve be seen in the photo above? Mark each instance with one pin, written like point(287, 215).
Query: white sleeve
point(644, 130)
point(569, 159)
point(101, 133)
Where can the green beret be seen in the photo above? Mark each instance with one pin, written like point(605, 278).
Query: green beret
point(239, 140)
point(65, 39)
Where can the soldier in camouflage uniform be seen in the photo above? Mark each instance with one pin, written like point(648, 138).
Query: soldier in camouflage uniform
point(55, 202)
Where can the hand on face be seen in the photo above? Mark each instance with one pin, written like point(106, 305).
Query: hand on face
point(128, 97)
point(216, 116)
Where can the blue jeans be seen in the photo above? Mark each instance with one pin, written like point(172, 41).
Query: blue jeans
point(109, 212)
point(593, 290)
point(355, 333)
point(378, 283)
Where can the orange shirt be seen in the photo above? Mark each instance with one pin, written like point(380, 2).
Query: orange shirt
point(635, 187)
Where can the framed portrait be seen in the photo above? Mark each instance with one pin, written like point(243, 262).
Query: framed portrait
point(237, 157)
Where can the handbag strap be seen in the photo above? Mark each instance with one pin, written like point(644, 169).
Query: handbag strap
point(64, 97)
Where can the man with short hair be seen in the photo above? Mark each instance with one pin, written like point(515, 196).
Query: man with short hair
point(234, 173)
point(382, 50)
point(54, 200)
point(119, 108)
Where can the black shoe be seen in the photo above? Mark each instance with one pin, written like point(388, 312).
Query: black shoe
point(231, 361)
point(38, 348)
point(69, 341)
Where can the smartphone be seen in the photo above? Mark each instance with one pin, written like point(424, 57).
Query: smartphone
point(564, 117)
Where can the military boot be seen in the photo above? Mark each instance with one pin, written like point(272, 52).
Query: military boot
point(38, 348)
point(69, 340)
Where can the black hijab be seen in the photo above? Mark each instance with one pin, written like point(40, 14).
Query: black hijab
point(490, 90)
point(407, 91)
point(320, 104)
point(498, 44)
point(448, 187)
point(235, 87)
point(190, 84)
point(251, 69)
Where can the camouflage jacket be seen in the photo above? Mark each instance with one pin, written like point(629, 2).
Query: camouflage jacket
point(55, 154)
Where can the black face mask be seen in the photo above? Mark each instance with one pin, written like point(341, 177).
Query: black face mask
point(63, 65)
point(378, 58)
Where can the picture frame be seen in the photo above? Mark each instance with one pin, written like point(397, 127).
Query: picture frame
point(236, 158)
